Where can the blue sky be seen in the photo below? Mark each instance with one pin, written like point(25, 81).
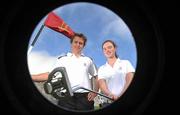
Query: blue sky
point(96, 22)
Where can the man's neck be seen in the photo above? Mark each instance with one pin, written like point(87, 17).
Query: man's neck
point(77, 54)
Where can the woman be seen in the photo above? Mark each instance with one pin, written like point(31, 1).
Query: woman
point(116, 74)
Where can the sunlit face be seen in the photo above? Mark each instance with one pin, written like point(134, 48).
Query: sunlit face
point(109, 50)
point(77, 44)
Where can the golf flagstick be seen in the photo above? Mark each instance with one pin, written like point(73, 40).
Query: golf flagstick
point(35, 39)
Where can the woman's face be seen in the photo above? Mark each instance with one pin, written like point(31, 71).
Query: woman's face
point(109, 50)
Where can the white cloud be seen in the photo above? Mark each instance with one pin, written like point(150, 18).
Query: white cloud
point(40, 62)
point(117, 27)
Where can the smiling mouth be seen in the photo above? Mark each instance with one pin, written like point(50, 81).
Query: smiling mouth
point(108, 53)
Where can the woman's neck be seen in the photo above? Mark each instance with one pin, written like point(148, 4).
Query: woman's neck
point(111, 61)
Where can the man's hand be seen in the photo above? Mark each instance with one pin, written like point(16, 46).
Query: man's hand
point(91, 96)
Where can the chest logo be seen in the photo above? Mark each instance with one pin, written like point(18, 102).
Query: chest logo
point(120, 68)
point(84, 64)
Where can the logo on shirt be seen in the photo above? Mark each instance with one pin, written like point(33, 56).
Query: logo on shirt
point(84, 64)
point(120, 68)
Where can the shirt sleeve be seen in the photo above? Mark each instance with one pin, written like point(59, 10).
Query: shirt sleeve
point(101, 73)
point(56, 64)
point(92, 69)
point(129, 67)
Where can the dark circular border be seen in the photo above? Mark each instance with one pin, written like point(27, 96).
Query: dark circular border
point(23, 96)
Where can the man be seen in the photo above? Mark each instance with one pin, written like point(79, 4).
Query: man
point(81, 71)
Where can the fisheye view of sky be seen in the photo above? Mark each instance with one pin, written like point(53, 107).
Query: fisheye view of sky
point(96, 22)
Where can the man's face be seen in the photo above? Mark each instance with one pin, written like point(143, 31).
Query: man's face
point(109, 50)
point(77, 44)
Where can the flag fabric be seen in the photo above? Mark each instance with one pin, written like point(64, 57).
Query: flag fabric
point(57, 23)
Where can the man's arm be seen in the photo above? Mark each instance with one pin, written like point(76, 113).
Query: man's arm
point(40, 77)
point(94, 82)
point(95, 87)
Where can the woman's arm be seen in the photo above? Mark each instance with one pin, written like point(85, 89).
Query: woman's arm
point(103, 86)
point(129, 77)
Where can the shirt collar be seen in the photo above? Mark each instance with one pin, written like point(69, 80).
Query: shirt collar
point(117, 60)
point(71, 54)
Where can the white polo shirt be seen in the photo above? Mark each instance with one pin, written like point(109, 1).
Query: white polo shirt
point(79, 70)
point(115, 76)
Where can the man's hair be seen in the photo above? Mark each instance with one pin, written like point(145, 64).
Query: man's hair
point(81, 36)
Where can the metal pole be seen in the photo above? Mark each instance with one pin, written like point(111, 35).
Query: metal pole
point(35, 39)
point(77, 88)
point(37, 35)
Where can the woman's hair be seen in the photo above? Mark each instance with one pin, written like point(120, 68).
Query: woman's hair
point(81, 36)
point(113, 43)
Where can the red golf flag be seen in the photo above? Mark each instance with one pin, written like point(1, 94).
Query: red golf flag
point(56, 23)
